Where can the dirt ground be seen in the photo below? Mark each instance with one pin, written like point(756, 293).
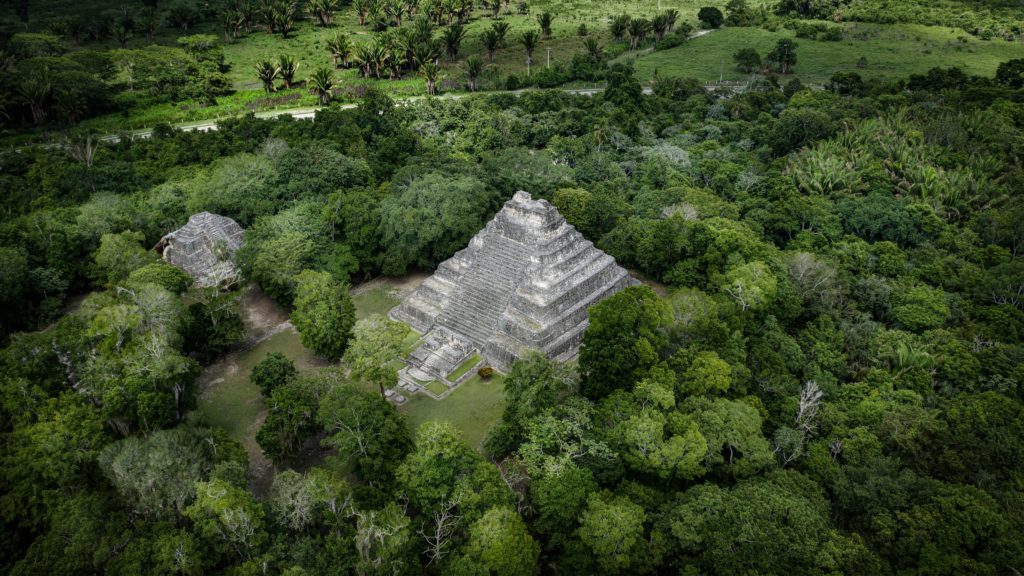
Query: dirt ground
point(401, 286)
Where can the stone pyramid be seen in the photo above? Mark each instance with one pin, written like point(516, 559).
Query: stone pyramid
point(205, 247)
point(524, 282)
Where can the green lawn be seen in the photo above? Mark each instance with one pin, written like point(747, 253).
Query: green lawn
point(473, 408)
point(891, 51)
point(436, 387)
point(464, 367)
point(231, 401)
point(377, 300)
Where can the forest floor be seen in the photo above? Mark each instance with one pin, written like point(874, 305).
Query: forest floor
point(229, 400)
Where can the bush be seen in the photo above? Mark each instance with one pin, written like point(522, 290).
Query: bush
point(485, 372)
point(710, 17)
point(274, 370)
point(747, 60)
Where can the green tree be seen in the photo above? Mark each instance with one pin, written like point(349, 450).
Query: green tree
point(156, 476)
point(706, 373)
point(431, 218)
point(738, 531)
point(747, 60)
point(273, 371)
point(429, 473)
point(752, 286)
point(376, 342)
point(287, 67)
point(267, 72)
point(921, 307)
point(545, 19)
point(623, 341)
point(612, 528)
point(324, 313)
point(710, 17)
point(121, 254)
point(322, 83)
point(732, 429)
point(1011, 73)
point(560, 499)
point(499, 544)
point(290, 421)
point(529, 41)
point(366, 431)
point(170, 278)
point(228, 519)
point(783, 55)
point(534, 384)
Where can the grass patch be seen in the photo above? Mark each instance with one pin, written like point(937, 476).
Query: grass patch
point(891, 51)
point(378, 300)
point(474, 408)
point(436, 387)
point(231, 401)
point(464, 367)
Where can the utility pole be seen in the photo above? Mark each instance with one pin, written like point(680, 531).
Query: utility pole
point(721, 73)
point(549, 58)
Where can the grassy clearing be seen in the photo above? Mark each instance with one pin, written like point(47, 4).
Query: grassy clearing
point(473, 408)
point(891, 51)
point(464, 367)
point(436, 387)
point(232, 402)
point(377, 300)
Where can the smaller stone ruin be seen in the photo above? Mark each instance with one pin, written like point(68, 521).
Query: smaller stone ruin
point(205, 248)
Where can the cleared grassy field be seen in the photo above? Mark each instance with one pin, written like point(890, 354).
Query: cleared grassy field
point(473, 408)
point(229, 400)
point(890, 51)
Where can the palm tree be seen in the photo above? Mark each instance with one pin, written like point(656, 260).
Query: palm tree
point(491, 42)
point(452, 39)
point(671, 15)
point(287, 67)
point(638, 28)
point(340, 47)
point(361, 56)
point(231, 22)
point(267, 73)
point(426, 52)
point(284, 17)
point(324, 11)
point(268, 11)
point(501, 29)
point(529, 42)
point(430, 72)
point(545, 25)
point(594, 48)
point(363, 8)
point(34, 91)
point(321, 83)
point(618, 26)
point(659, 25)
point(474, 70)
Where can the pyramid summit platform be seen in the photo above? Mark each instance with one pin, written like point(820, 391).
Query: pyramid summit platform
point(524, 282)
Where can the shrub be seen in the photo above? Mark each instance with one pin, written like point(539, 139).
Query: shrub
point(485, 372)
point(710, 17)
